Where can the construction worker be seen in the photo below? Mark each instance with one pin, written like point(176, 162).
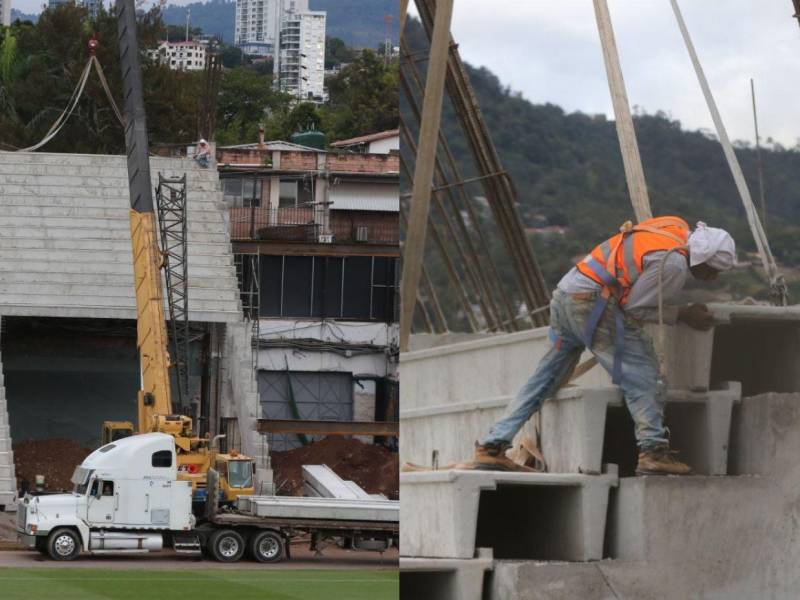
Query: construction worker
point(202, 153)
point(601, 304)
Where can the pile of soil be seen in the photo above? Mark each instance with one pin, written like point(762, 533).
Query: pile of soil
point(56, 459)
point(373, 467)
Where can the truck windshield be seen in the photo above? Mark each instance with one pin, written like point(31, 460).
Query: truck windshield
point(240, 473)
point(81, 479)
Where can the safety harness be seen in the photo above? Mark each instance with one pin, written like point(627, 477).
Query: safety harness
point(617, 282)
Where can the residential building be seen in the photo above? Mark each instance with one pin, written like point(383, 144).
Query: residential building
point(300, 64)
point(383, 142)
point(93, 7)
point(5, 12)
point(256, 26)
point(316, 240)
point(54, 3)
point(181, 56)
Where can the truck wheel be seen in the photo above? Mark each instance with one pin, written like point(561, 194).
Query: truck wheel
point(267, 546)
point(226, 545)
point(63, 544)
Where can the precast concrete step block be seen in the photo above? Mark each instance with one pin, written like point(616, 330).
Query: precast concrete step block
point(5, 445)
point(583, 428)
point(542, 516)
point(536, 580)
point(450, 430)
point(573, 428)
point(444, 578)
point(7, 472)
point(687, 519)
point(6, 458)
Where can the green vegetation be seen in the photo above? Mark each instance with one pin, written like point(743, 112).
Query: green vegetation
point(41, 63)
point(212, 583)
point(568, 171)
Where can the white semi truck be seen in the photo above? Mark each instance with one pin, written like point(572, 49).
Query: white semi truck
point(128, 499)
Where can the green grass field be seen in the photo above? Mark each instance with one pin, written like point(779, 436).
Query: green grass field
point(219, 584)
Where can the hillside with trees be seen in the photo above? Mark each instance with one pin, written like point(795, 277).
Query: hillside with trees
point(568, 171)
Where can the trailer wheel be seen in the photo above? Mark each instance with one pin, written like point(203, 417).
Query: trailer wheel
point(226, 545)
point(63, 544)
point(267, 546)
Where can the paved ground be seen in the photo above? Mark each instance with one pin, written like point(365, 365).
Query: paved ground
point(332, 558)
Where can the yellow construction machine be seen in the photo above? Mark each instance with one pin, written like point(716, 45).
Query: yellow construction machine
point(195, 455)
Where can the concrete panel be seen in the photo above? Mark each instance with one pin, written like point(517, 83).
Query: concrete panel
point(447, 514)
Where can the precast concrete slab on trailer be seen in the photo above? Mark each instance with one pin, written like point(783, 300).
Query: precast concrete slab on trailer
point(444, 578)
point(334, 509)
point(552, 516)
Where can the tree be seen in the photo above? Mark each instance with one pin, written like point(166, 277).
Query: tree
point(245, 100)
point(363, 98)
point(337, 52)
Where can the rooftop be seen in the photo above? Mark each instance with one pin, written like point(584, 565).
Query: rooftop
point(365, 139)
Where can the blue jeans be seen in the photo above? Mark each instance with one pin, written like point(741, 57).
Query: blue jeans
point(641, 382)
point(202, 160)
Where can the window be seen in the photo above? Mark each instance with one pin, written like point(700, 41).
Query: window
point(162, 458)
point(108, 488)
point(288, 193)
point(361, 288)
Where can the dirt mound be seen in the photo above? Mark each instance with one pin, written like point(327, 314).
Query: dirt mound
point(56, 459)
point(373, 467)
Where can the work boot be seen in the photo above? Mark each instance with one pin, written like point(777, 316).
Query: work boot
point(661, 461)
point(492, 457)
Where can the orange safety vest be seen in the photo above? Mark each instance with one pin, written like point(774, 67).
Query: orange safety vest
point(617, 263)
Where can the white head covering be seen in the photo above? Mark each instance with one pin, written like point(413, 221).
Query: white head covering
point(712, 246)
point(203, 142)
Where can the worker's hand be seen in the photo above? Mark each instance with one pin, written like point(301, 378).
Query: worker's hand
point(696, 316)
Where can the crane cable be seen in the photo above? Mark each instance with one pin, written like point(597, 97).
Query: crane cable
point(778, 289)
point(62, 119)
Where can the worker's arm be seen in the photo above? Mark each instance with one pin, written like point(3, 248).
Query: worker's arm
point(643, 299)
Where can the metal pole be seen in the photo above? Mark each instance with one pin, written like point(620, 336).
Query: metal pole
point(423, 171)
point(455, 279)
point(759, 164)
point(495, 285)
point(403, 15)
point(634, 174)
point(760, 238)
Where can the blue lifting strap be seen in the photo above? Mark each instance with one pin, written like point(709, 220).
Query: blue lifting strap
point(596, 314)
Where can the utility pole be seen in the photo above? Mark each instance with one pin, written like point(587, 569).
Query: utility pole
point(759, 164)
point(631, 160)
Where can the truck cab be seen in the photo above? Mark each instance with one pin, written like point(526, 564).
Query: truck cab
point(126, 494)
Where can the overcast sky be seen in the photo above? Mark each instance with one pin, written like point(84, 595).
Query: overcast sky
point(550, 51)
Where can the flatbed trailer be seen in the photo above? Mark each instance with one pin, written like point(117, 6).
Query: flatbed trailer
point(129, 500)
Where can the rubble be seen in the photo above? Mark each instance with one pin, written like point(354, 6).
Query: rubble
point(55, 458)
point(373, 467)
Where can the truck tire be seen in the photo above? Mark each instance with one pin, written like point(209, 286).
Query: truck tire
point(226, 545)
point(63, 544)
point(267, 546)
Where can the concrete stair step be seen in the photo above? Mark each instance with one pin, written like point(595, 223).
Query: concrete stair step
point(199, 255)
point(545, 516)
point(6, 458)
point(113, 279)
point(529, 580)
point(445, 578)
point(7, 471)
point(120, 245)
point(79, 290)
point(7, 498)
point(205, 214)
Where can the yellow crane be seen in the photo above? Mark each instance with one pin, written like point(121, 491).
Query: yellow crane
point(155, 414)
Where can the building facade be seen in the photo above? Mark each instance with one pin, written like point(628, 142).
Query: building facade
point(316, 240)
point(181, 56)
point(5, 12)
point(300, 60)
point(256, 26)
